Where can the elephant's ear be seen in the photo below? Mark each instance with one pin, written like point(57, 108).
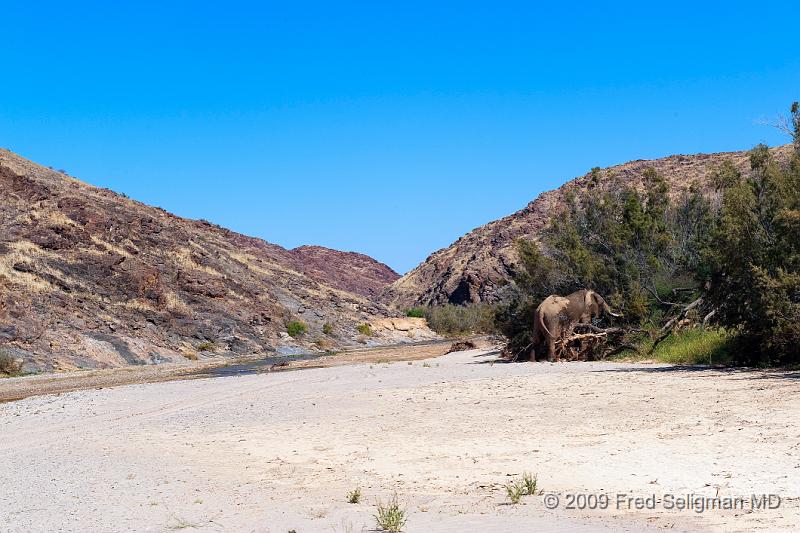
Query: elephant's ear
point(601, 302)
point(588, 298)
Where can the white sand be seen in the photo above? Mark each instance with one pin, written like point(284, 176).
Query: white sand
point(279, 451)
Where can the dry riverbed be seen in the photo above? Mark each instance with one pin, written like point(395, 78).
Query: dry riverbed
point(17, 388)
point(279, 451)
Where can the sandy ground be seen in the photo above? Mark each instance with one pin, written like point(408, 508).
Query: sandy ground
point(279, 451)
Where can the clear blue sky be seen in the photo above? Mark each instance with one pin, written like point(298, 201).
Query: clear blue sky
point(386, 128)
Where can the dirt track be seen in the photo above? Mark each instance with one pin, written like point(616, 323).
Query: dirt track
point(278, 451)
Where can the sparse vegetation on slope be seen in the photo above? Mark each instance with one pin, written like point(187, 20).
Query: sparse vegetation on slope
point(295, 328)
point(90, 277)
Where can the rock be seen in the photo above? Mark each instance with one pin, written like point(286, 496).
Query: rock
point(89, 278)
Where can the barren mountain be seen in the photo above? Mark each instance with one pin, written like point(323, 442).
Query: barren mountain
point(89, 278)
point(349, 271)
point(475, 267)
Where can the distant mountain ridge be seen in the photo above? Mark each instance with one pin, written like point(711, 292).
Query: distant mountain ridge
point(349, 271)
point(477, 266)
point(90, 278)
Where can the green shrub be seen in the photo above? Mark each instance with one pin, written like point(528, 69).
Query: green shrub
point(354, 496)
point(295, 328)
point(416, 312)
point(390, 517)
point(515, 491)
point(206, 347)
point(529, 482)
point(461, 319)
point(365, 329)
point(327, 328)
point(8, 364)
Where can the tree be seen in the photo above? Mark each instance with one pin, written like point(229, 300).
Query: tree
point(751, 260)
point(627, 244)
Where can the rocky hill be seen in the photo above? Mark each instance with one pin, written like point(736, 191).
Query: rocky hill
point(478, 265)
point(89, 278)
point(349, 271)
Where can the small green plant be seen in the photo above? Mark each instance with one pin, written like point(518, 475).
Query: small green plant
point(529, 482)
point(8, 365)
point(295, 328)
point(365, 329)
point(416, 312)
point(206, 347)
point(515, 491)
point(391, 517)
point(327, 328)
point(354, 496)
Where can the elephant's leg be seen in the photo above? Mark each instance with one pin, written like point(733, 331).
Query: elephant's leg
point(551, 348)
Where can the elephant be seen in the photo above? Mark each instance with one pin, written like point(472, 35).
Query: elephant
point(556, 316)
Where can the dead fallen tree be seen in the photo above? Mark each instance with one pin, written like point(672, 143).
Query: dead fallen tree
point(460, 346)
point(587, 342)
point(673, 323)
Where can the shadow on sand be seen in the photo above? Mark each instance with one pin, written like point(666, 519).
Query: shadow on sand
point(659, 368)
point(736, 372)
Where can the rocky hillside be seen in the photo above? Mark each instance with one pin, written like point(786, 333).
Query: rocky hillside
point(349, 271)
point(477, 266)
point(89, 278)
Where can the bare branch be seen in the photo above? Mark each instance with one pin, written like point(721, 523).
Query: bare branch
point(781, 123)
point(660, 301)
point(669, 327)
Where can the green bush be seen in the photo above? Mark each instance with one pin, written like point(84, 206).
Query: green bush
point(327, 328)
point(515, 491)
point(354, 496)
point(416, 312)
point(530, 482)
point(461, 319)
point(390, 517)
point(206, 347)
point(8, 364)
point(365, 329)
point(295, 328)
